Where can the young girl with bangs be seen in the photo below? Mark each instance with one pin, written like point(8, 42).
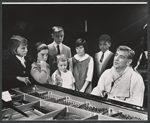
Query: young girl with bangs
point(82, 67)
point(40, 70)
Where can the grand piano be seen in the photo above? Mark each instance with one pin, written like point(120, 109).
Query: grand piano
point(50, 102)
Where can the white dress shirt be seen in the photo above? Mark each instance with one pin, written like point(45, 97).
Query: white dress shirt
point(60, 46)
point(22, 60)
point(136, 87)
point(98, 57)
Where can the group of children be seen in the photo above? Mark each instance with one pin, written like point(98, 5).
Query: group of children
point(54, 64)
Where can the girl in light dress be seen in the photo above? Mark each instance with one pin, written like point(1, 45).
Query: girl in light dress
point(63, 77)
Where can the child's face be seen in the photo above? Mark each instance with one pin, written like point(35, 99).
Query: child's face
point(58, 36)
point(42, 55)
point(80, 50)
point(22, 50)
point(62, 66)
point(104, 45)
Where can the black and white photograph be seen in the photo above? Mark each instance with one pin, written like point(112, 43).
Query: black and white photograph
point(74, 61)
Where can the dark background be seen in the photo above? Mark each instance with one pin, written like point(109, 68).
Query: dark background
point(123, 22)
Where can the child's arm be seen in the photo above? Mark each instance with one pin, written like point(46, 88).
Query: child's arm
point(89, 75)
point(90, 71)
point(56, 79)
point(53, 79)
point(70, 64)
point(84, 86)
point(73, 82)
point(40, 75)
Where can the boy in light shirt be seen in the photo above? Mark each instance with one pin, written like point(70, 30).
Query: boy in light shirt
point(103, 59)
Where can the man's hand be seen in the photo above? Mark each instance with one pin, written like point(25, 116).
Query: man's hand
point(104, 94)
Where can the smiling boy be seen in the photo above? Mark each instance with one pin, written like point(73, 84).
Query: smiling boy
point(103, 59)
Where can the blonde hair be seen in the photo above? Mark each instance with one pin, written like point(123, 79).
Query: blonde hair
point(15, 42)
point(62, 58)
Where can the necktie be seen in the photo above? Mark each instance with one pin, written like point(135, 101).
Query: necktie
point(58, 49)
point(101, 59)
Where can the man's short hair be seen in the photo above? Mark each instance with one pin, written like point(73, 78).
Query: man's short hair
point(105, 38)
point(57, 29)
point(131, 52)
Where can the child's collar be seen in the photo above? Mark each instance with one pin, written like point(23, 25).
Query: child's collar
point(63, 71)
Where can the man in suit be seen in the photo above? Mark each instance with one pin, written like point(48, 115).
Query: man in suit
point(57, 47)
point(103, 59)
